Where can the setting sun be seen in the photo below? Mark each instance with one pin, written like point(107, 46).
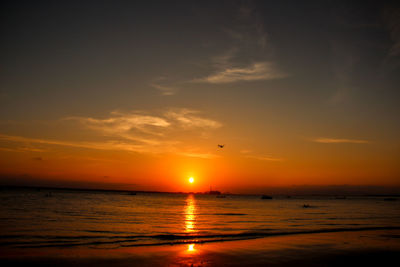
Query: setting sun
point(191, 248)
point(191, 180)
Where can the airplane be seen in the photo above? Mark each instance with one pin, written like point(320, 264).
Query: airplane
point(221, 146)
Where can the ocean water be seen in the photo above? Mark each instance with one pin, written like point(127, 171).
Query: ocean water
point(30, 218)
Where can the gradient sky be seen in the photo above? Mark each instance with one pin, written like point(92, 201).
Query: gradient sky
point(137, 94)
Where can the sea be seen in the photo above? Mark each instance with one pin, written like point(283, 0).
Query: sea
point(40, 218)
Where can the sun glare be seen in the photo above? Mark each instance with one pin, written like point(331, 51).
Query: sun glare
point(191, 247)
point(191, 180)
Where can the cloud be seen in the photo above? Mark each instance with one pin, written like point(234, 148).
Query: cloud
point(391, 17)
point(249, 27)
point(8, 149)
point(344, 62)
point(253, 72)
point(187, 119)
point(165, 90)
point(248, 154)
point(168, 84)
point(134, 132)
point(126, 125)
point(250, 56)
point(107, 145)
point(198, 155)
point(339, 141)
point(265, 158)
point(165, 147)
point(223, 60)
point(246, 53)
point(129, 124)
point(22, 149)
point(125, 121)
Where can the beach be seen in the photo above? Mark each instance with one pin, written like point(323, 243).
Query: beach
point(361, 248)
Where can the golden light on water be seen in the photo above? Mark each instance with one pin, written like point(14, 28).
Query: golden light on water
point(191, 248)
point(190, 215)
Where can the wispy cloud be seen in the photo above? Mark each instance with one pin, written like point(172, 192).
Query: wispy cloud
point(249, 28)
point(106, 145)
point(9, 149)
point(344, 61)
point(126, 121)
point(391, 15)
point(168, 84)
point(223, 60)
point(246, 54)
point(251, 155)
point(127, 124)
point(164, 89)
point(198, 155)
point(340, 140)
point(250, 57)
point(188, 119)
point(265, 158)
point(253, 72)
point(21, 149)
point(130, 126)
point(132, 131)
point(166, 147)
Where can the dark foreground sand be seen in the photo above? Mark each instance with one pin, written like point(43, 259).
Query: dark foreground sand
point(362, 248)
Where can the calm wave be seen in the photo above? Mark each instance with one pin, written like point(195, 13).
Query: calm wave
point(32, 218)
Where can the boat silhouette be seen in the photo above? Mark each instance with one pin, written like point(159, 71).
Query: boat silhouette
point(266, 197)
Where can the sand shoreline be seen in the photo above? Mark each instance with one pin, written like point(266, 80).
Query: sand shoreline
point(367, 248)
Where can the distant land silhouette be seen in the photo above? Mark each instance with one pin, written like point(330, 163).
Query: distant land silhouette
point(332, 190)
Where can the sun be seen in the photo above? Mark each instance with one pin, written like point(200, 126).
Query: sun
point(191, 248)
point(191, 180)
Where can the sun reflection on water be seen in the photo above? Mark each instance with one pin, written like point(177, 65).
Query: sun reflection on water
point(191, 248)
point(190, 215)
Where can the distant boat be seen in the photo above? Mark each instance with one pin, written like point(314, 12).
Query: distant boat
point(266, 197)
point(306, 206)
point(211, 192)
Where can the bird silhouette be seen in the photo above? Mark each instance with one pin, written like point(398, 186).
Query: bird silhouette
point(221, 146)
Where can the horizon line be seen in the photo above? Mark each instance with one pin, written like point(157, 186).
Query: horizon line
point(4, 186)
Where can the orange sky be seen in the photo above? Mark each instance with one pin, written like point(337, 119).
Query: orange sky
point(229, 169)
point(136, 96)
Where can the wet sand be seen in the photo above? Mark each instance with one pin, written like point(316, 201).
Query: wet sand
point(361, 248)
